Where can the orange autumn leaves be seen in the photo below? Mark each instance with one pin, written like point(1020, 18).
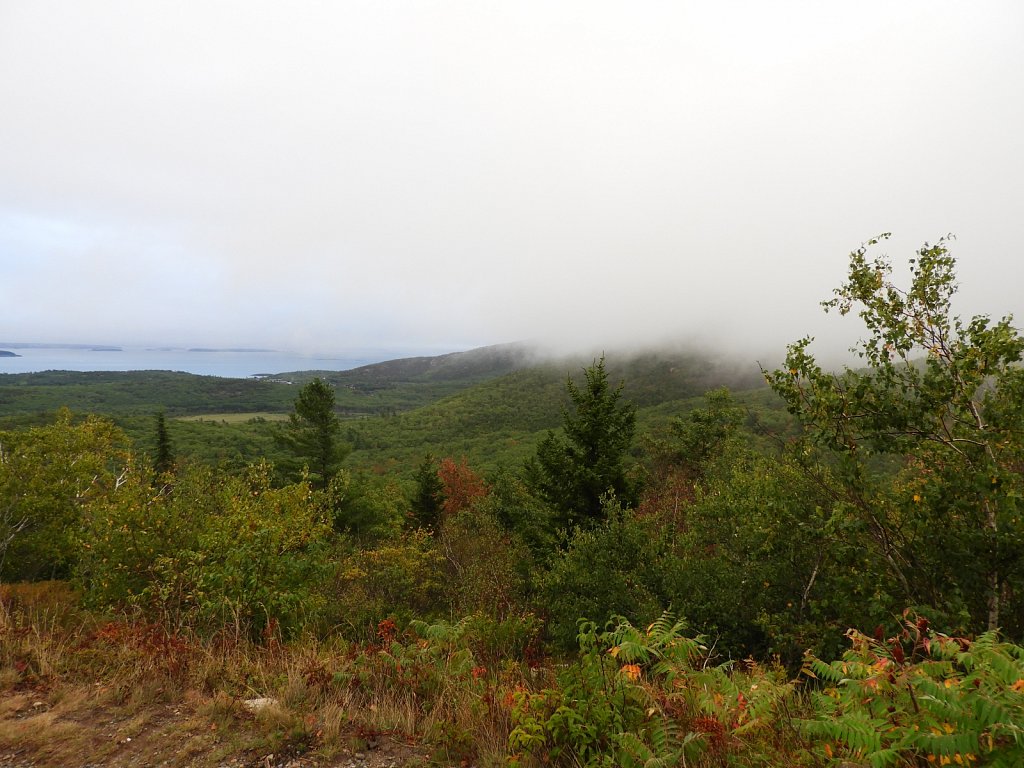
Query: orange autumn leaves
point(630, 671)
point(461, 486)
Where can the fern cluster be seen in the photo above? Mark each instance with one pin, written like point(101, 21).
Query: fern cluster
point(652, 698)
point(645, 697)
point(921, 698)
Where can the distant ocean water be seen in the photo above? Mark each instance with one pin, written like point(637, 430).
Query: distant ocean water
point(237, 364)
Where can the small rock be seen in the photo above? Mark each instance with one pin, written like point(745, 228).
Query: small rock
point(257, 705)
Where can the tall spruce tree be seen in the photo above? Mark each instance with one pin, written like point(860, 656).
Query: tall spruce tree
point(164, 461)
point(428, 496)
point(313, 434)
point(574, 470)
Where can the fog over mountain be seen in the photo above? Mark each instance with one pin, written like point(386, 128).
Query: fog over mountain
point(435, 176)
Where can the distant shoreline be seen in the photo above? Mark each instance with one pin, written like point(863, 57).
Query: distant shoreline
point(227, 364)
point(116, 348)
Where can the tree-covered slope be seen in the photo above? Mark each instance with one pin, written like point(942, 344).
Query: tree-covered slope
point(386, 387)
point(491, 405)
point(500, 421)
point(119, 392)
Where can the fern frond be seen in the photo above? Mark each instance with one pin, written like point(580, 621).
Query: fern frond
point(831, 673)
point(884, 758)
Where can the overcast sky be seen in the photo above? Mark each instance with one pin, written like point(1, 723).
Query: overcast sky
point(442, 175)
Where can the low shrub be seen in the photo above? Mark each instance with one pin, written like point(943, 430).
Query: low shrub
point(611, 570)
point(401, 578)
point(209, 552)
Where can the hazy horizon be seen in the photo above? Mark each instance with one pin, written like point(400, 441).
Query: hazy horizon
point(443, 176)
point(126, 357)
point(199, 346)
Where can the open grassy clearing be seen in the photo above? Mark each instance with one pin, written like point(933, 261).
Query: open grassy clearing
point(235, 418)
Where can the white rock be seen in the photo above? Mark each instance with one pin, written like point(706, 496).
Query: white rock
point(257, 705)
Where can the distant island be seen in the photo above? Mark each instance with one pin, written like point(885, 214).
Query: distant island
point(229, 349)
point(49, 345)
point(5, 353)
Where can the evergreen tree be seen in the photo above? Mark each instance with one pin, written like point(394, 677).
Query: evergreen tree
point(575, 470)
point(312, 434)
point(164, 453)
point(428, 497)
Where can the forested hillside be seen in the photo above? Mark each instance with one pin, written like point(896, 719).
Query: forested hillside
point(372, 389)
point(508, 560)
point(488, 404)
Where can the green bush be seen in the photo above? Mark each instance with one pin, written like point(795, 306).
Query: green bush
point(400, 578)
point(48, 476)
point(426, 660)
point(495, 641)
point(766, 561)
point(365, 506)
point(612, 569)
point(209, 551)
point(581, 721)
point(484, 564)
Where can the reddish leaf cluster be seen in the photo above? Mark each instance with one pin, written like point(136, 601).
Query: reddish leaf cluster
point(461, 486)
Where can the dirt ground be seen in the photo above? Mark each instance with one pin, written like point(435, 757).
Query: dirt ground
point(74, 730)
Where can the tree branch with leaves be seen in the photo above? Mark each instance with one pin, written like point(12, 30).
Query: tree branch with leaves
point(941, 397)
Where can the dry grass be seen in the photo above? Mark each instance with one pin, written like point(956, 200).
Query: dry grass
point(126, 692)
point(40, 733)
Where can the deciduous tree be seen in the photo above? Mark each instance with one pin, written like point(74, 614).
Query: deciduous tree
point(48, 475)
point(940, 402)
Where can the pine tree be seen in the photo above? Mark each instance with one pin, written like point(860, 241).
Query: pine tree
point(428, 497)
point(164, 453)
point(312, 434)
point(575, 470)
